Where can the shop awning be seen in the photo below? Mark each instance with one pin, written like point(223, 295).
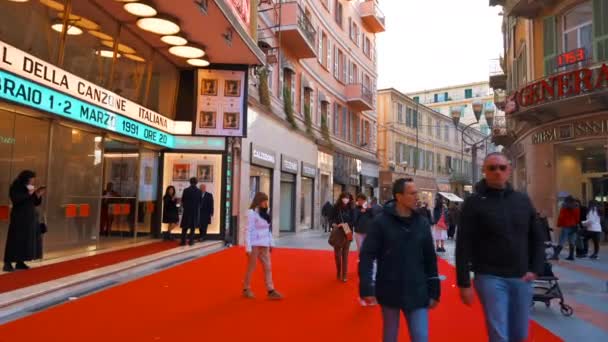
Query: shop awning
point(451, 197)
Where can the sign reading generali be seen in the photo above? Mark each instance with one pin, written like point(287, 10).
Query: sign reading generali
point(577, 129)
point(564, 85)
point(262, 156)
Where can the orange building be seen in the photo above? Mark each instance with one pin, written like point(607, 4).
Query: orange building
point(554, 91)
point(312, 108)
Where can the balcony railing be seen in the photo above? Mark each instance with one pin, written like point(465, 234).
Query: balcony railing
point(372, 16)
point(359, 97)
point(498, 79)
point(525, 8)
point(297, 31)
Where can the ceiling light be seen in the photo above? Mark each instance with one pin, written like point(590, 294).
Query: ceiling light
point(174, 40)
point(107, 53)
point(52, 4)
point(121, 47)
point(140, 9)
point(19, 0)
point(80, 21)
point(101, 35)
point(72, 30)
point(135, 58)
point(187, 51)
point(162, 25)
point(198, 62)
point(580, 148)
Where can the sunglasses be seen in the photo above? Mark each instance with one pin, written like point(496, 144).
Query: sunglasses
point(493, 168)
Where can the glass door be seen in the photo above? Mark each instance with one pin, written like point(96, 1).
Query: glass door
point(148, 191)
point(119, 195)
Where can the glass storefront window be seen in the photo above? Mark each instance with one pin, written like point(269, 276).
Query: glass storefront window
point(163, 87)
point(130, 71)
point(33, 21)
point(306, 202)
point(260, 180)
point(148, 191)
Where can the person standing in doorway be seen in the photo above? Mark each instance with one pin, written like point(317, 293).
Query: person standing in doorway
point(108, 201)
point(258, 244)
point(342, 221)
point(499, 239)
point(407, 280)
point(593, 228)
point(206, 212)
point(170, 211)
point(23, 241)
point(568, 220)
point(325, 214)
point(191, 202)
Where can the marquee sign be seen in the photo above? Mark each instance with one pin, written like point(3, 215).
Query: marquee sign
point(556, 87)
point(29, 67)
point(19, 90)
point(573, 130)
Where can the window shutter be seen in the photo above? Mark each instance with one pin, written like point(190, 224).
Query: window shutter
point(329, 54)
point(336, 62)
point(281, 82)
point(344, 69)
point(600, 30)
point(344, 122)
point(549, 44)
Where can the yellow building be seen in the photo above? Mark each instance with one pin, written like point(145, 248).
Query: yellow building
point(427, 146)
point(555, 94)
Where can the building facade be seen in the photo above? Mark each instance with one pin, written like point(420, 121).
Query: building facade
point(443, 100)
point(417, 141)
point(101, 92)
point(554, 90)
point(312, 117)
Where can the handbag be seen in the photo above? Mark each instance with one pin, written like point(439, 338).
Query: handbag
point(441, 223)
point(339, 237)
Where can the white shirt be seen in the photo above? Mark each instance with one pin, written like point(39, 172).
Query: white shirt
point(257, 232)
point(593, 223)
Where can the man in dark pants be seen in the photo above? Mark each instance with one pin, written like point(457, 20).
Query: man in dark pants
point(206, 211)
point(191, 202)
point(500, 240)
point(407, 280)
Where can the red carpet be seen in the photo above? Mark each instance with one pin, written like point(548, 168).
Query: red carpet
point(200, 301)
point(37, 275)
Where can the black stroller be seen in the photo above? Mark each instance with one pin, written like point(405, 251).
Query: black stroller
point(546, 287)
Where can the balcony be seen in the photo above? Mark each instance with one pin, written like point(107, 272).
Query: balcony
point(372, 17)
point(359, 97)
point(498, 79)
point(525, 8)
point(296, 31)
point(501, 134)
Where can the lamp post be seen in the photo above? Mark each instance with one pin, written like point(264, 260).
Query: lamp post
point(478, 108)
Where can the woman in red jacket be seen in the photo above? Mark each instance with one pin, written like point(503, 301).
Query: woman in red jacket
point(569, 217)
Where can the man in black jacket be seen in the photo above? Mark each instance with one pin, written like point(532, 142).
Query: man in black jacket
point(407, 280)
point(206, 211)
point(499, 239)
point(191, 202)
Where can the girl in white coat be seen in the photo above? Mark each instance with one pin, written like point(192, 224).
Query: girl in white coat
point(259, 242)
point(593, 227)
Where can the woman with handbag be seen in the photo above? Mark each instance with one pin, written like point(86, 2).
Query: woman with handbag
point(342, 221)
point(440, 229)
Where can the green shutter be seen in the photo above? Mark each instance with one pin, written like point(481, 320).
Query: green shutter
point(600, 30)
point(550, 44)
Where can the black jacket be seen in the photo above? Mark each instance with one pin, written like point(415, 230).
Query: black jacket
point(23, 241)
point(498, 235)
point(407, 265)
point(206, 210)
point(363, 221)
point(343, 215)
point(191, 202)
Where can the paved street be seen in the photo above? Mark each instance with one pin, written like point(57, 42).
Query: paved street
point(584, 283)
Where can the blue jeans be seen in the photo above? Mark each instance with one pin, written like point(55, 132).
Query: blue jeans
point(417, 323)
point(506, 304)
point(569, 234)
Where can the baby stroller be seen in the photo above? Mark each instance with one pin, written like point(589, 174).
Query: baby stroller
point(546, 288)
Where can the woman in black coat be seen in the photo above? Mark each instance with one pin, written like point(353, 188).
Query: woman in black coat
point(342, 213)
point(170, 212)
point(23, 242)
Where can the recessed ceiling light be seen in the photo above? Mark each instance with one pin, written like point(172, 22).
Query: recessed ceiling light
point(101, 35)
point(198, 62)
point(52, 4)
point(19, 0)
point(580, 148)
point(135, 58)
point(121, 47)
point(140, 9)
point(187, 51)
point(107, 53)
point(174, 40)
point(162, 25)
point(72, 30)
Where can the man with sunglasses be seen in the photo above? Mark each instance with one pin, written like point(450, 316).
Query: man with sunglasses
point(500, 241)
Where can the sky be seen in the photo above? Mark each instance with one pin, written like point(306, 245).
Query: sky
point(436, 43)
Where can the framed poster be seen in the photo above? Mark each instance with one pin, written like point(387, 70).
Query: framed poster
point(221, 103)
point(181, 172)
point(204, 173)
